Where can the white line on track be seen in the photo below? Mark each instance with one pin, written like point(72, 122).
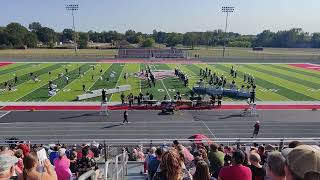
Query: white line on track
point(6, 113)
point(209, 130)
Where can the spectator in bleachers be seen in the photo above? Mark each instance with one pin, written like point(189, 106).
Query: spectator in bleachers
point(275, 166)
point(187, 155)
point(140, 154)
point(55, 153)
point(30, 172)
point(202, 171)
point(227, 162)
point(303, 163)
point(192, 165)
point(262, 154)
point(153, 163)
point(95, 148)
point(171, 168)
point(237, 170)
point(19, 154)
point(68, 151)
point(73, 161)
point(258, 171)
point(294, 144)
point(24, 147)
point(151, 155)
point(204, 155)
point(85, 146)
point(86, 163)
point(62, 165)
point(6, 150)
point(215, 157)
point(7, 167)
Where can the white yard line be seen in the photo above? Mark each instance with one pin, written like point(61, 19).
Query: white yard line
point(98, 78)
point(36, 88)
point(61, 90)
point(119, 79)
point(154, 67)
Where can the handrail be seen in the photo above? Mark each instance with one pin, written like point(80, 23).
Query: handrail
point(116, 172)
point(88, 174)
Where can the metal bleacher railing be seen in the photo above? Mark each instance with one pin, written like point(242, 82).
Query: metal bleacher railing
point(114, 168)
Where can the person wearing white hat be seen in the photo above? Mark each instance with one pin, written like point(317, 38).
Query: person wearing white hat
point(7, 166)
point(302, 163)
point(62, 165)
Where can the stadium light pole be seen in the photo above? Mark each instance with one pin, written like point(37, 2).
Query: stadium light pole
point(72, 8)
point(227, 10)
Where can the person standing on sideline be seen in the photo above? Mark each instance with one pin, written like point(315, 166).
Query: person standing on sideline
point(256, 129)
point(219, 100)
point(15, 79)
point(125, 117)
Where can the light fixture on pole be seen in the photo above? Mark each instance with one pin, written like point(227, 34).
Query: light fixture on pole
point(227, 10)
point(72, 8)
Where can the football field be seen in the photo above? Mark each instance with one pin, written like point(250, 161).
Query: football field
point(275, 82)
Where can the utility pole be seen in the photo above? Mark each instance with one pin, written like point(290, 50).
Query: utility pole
point(72, 8)
point(227, 10)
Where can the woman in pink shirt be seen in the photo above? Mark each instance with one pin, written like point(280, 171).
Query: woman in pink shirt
point(62, 165)
point(237, 170)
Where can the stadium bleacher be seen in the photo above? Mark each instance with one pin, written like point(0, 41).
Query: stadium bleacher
point(150, 53)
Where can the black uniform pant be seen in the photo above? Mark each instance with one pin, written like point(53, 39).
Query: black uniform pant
point(125, 119)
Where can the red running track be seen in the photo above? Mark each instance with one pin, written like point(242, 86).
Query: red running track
point(307, 66)
point(97, 108)
point(178, 61)
point(5, 63)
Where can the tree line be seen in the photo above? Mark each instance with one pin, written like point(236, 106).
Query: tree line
point(14, 35)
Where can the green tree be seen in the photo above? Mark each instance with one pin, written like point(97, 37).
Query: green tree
point(35, 27)
point(3, 38)
point(47, 35)
point(190, 39)
point(149, 42)
point(315, 40)
point(15, 34)
point(67, 34)
point(30, 40)
point(83, 40)
point(174, 39)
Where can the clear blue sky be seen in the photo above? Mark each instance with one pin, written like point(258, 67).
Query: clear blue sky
point(250, 16)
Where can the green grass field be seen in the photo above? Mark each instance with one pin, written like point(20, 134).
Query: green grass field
point(275, 82)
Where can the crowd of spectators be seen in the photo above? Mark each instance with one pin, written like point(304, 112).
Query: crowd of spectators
point(298, 161)
point(219, 162)
point(22, 161)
